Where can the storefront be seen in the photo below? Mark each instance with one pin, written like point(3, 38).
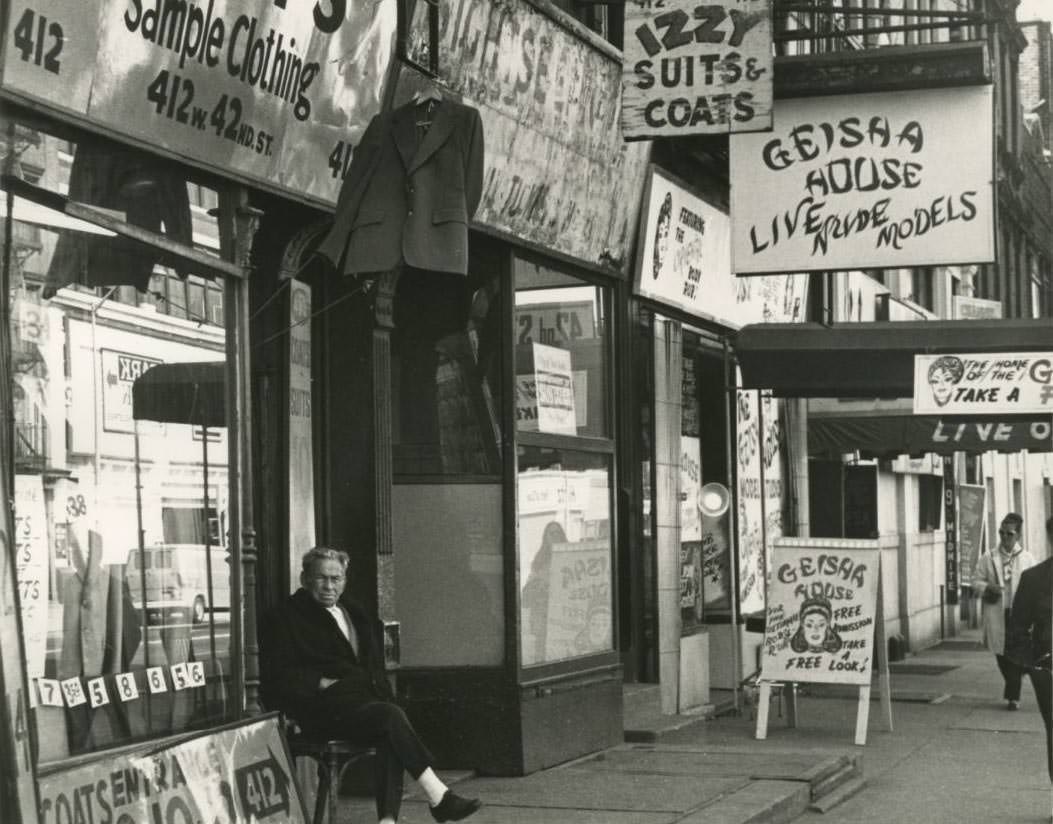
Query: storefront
point(701, 571)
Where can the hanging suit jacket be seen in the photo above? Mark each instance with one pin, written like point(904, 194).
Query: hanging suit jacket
point(300, 642)
point(408, 199)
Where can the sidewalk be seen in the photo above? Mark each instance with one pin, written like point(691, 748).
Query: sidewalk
point(955, 755)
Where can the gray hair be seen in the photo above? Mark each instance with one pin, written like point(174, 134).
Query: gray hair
point(323, 553)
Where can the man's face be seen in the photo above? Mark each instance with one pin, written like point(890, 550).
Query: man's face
point(325, 581)
point(1008, 534)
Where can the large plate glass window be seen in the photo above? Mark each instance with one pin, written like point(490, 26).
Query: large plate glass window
point(562, 351)
point(123, 567)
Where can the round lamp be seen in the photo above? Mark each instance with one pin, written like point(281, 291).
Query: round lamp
point(714, 499)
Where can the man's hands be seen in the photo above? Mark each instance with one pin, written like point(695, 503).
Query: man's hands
point(324, 683)
point(992, 594)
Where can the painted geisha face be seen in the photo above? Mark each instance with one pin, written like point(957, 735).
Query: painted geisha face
point(814, 625)
point(942, 383)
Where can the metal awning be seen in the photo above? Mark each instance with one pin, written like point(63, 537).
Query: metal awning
point(193, 393)
point(873, 359)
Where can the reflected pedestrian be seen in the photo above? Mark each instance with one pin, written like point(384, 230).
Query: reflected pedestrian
point(996, 575)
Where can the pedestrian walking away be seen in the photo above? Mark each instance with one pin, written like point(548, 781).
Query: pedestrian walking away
point(322, 663)
point(997, 573)
point(1030, 636)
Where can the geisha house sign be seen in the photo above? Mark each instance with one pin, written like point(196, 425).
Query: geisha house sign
point(866, 181)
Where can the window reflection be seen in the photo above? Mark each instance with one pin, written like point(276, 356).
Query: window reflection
point(120, 530)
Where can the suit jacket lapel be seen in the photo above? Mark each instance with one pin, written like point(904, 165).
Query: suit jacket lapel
point(404, 129)
point(441, 128)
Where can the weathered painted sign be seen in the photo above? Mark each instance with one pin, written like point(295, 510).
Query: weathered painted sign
point(273, 91)
point(866, 181)
point(558, 172)
point(696, 68)
point(981, 384)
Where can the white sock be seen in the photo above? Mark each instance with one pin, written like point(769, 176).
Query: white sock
point(432, 786)
point(387, 820)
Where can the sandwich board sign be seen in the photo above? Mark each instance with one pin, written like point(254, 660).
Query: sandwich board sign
point(824, 622)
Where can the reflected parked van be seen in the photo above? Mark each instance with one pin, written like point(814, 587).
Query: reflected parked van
point(176, 577)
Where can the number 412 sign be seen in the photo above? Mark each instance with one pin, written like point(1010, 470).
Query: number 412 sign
point(694, 68)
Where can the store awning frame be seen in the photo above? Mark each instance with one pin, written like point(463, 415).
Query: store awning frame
point(871, 359)
point(191, 393)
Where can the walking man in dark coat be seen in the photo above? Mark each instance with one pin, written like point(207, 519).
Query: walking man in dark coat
point(322, 661)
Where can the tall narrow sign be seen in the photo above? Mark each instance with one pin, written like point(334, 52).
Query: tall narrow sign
point(696, 69)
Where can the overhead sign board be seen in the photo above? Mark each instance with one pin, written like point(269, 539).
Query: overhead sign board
point(866, 181)
point(696, 69)
point(1007, 382)
point(684, 261)
point(966, 308)
point(275, 92)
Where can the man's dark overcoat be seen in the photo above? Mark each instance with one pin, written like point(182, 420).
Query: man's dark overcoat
point(300, 643)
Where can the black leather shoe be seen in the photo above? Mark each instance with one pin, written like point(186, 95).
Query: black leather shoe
point(454, 808)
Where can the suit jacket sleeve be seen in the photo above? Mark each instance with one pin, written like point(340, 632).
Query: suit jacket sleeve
point(286, 682)
point(473, 188)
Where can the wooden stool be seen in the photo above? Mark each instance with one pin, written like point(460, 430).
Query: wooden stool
point(333, 756)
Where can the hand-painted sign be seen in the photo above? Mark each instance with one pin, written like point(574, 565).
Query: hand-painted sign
point(684, 261)
point(822, 604)
point(31, 566)
point(694, 68)
point(558, 172)
point(578, 620)
point(866, 181)
point(276, 92)
point(971, 510)
point(982, 384)
point(238, 774)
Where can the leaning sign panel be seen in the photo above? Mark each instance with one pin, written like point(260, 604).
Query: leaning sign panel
point(866, 181)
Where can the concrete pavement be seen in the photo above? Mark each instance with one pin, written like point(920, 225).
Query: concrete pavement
point(955, 755)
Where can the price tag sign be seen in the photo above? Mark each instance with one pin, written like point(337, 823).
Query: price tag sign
point(155, 679)
point(127, 689)
point(50, 692)
point(97, 694)
point(73, 691)
point(197, 673)
point(180, 676)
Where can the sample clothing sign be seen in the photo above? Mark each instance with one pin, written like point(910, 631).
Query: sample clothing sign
point(684, 261)
point(866, 181)
point(301, 444)
point(238, 774)
point(822, 606)
point(981, 384)
point(413, 185)
point(276, 93)
point(696, 69)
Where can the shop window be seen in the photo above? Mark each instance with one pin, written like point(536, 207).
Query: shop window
point(119, 589)
point(564, 464)
point(930, 503)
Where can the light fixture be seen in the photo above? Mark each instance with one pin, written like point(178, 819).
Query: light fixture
point(714, 499)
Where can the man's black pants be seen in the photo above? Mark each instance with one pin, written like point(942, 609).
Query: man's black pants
point(382, 725)
point(1042, 681)
point(1012, 675)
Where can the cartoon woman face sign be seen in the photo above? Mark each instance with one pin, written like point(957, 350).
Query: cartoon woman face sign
point(944, 374)
point(815, 631)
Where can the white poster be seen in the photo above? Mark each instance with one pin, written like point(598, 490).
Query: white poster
point(822, 602)
point(750, 507)
point(1007, 382)
point(554, 388)
point(696, 69)
point(684, 261)
point(31, 568)
point(866, 181)
point(301, 446)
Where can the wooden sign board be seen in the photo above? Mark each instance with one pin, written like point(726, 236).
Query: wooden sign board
point(824, 622)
